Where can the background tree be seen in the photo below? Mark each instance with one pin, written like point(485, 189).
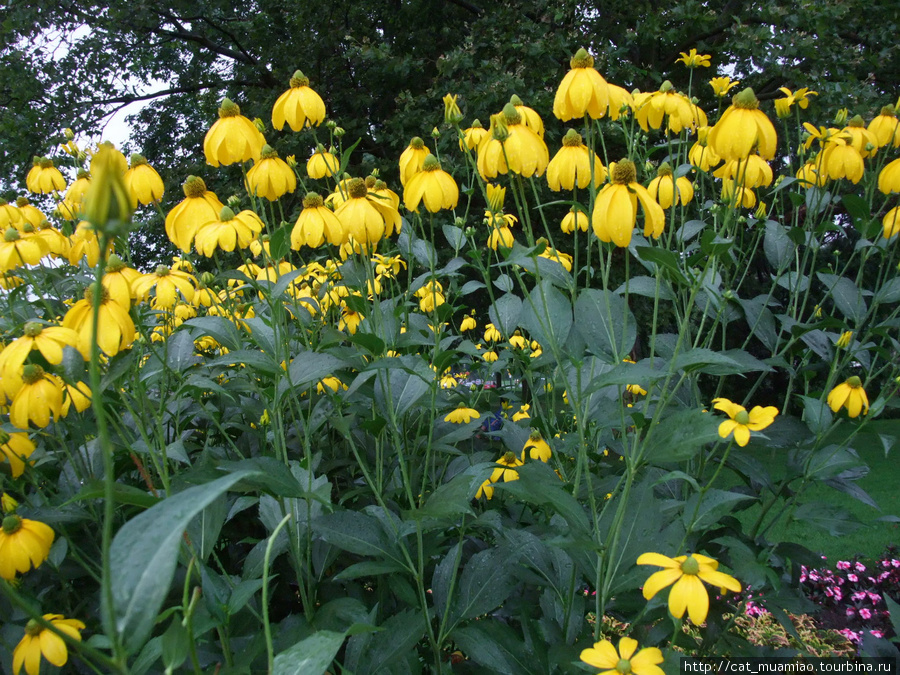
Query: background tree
point(382, 65)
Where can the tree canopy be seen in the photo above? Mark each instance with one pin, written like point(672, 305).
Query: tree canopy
point(383, 65)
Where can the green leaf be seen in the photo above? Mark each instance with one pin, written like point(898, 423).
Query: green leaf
point(778, 247)
point(846, 296)
point(816, 414)
point(715, 504)
point(180, 351)
point(495, 646)
point(220, 329)
point(204, 530)
point(454, 236)
point(280, 242)
point(834, 520)
point(505, 314)
point(647, 287)
point(485, 583)
point(369, 568)
point(357, 533)
point(402, 388)
point(698, 359)
point(858, 208)
point(890, 292)
point(605, 323)
point(398, 637)
point(124, 494)
point(538, 484)
point(143, 555)
point(174, 644)
point(311, 656)
point(547, 315)
point(664, 259)
point(760, 320)
point(680, 436)
point(308, 367)
point(242, 593)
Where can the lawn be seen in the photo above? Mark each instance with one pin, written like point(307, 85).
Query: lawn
point(880, 483)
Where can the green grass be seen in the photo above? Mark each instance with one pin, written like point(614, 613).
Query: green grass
point(881, 483)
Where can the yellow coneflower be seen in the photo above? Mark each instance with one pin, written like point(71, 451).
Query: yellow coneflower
point(299, 106)
point(232, 138)
point(615, 210)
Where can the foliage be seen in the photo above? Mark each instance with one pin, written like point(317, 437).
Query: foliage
point(270, 462)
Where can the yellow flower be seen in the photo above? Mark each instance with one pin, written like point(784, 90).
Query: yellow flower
point(687, 573)
point(17, 250)
point(800, 97)
point(143, 182)
point(38, 400)
point(734, 195)
point(350, 320)
point(115, 331)
point(388, 266)
point(615, 210)
point(39, 641)
point(452, 113)
point(431, 296)
point(891, 223)
point(522, 413)
point(462, 415)
point(315, 225)
point(667, 104)
point(322, 164)
point(889, 178)
point(694, 60)
point(583, 91)
point(433, 186)
point(16, 448)
point(490, 356)
point(23, 544)
point(48, 340)
point(722, 85)
point(472, 136)
point(575, 218)
point(233, 138)
point(668, 190)
point(563, 259)
point(624, 661)
point(511, 146)
point(44, 178)
point(118, 280)
point(529, 116)
point(8, 503)
point(199, 206)
point(29, 212)
point(330, 384)
point(506, 471)
point(537, 447)
point(841, 160)
point(809, 175)
point(299, 106)
point(742, 129)
point(491, 334)
point(850, 395)
point(743, 422)
point(412, 159)
point(844, 340)
point(107, 203)
point(571, 166)
point(886, 127)
point(227, 232)
point(360, 217)
point(751, 172)
point(168, 283)
point(270, 176)
point(468, 323)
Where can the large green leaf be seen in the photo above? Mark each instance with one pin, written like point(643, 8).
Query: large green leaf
point(505, 314)
point(310, 656)
point(143, 555)
point(605, 323)
point(495, 646)
point(357, 533)
point(485, 583)
point(547, 315)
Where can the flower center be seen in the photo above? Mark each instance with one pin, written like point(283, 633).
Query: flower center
point(854, 382)
point(267, 152)
point(45, 163)
point(431, 163)
point(746, 100)
point(114, 264)
point(226, 214)
point(356, 187)
point(22, 201)
point(582, 59)
point(89, 294)
point(665, 169)
point(194, 187)
point(623, 666)
point(508, 459)
point(229, 109)
point(12, 524)
point(857, 121)
point(162, 270)
point(511, 114)
point(11, 234)
point(299, 80)
point(665, 87)
point(572, 139)
point(137, 160)
point(32, 373)
point(33, 329)
point(624, 172)
point(690, 566)
point(743, 417)
point(416, 143)
point(33, 628)
point(312, 201)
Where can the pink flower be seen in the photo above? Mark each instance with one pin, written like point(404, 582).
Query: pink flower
point(859, 595)
point(860, 567)
point(877, 633)
point(852, 577)
point(851, 612)
point(843, 565)
point(865, 613)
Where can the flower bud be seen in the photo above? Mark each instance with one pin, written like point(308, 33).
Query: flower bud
point(339, 132)
point(107, 204)
point(452, 114)
point(69, 134)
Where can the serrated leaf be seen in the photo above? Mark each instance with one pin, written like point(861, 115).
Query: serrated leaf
point(505, 314)
point(311, 656)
